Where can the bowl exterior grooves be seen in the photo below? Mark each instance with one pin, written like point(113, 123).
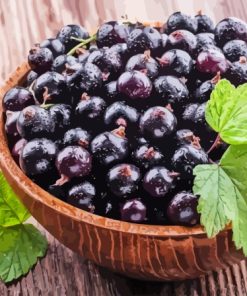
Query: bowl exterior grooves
point(140, 251)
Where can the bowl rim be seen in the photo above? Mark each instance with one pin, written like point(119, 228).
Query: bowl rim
point(15, 175)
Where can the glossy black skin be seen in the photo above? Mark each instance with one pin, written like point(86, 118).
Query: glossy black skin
point(183, 39)
point(55, 45)
point(108, 148)
point(211, 61)
point(194, 119)
point(74, 161)
point(107, 208)
point(141, 39)
point(121, 48)
point(111, 90)
point(237, 73)
point(121, 183)
point(82, 195)
point(37, 156)
point(184, 136)
point(157, 122)
point(83, 57)
point(157, 214)
point(17, 98)
point(164, 43)
point(203, 92)
point(108, 60)
point(40, 59)
point(182, 209)
point(61, 115)
point(96, 58)
point(157, 181)
point(65, 34)
point(135, 85)
point(186, 158)
point(111, 33)
point(92, 47)
point(235, 49)
point(89, 112)
point(195, 112)
point(142, 62)
point(155, 39)
point(17, 149)
point(204, 24)
point(120, 110)
point(204, 41)
point(10, 124)
point(56, 85)
point(58, 191)
point(171, 89)
point(176, 62)
point(60, 62)
point(77, 136)
point(35, 122)
point(178, 21)
point(86, 78)
point(229, 29)
point(31, 76)
point(133, 210)
point(146, 156)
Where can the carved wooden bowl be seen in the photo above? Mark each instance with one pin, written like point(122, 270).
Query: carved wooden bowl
point(139, 251)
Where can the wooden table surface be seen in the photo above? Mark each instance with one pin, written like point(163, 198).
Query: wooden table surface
point(62, 272)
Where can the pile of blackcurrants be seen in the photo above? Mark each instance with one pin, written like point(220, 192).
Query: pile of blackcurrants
point(114, 123)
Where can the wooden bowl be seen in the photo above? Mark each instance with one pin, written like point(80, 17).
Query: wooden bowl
point(140, 251)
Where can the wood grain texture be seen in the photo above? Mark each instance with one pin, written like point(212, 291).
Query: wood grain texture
point(62, 272)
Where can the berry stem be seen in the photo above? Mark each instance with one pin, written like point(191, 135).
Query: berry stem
point(64, 179)
point(81, 44)
point(174, 174)
point(215, 144)
point(216, 78)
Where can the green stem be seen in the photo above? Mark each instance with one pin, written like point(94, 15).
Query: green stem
point(77, 39)
point(45, 106)
point(84, 42)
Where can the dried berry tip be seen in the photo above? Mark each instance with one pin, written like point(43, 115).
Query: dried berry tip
point(83, 143)
point(169, 107)
point(150, 153)
point(121, 122)
point(29, 113)
point(46, 95)
point(147, 55)
point(163, 62)
point(158, 113)
point(216, 78)
point(126, 171)
point(119, 132)
point(64, 179)
point(85, 97)
point(196, 142)
point(242, 60)
point(80, 51)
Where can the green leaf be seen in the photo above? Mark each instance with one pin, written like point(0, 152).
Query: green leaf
point(226, 112)
point(213, 186)
point(234, 162)
point(12, 211)
point(20, 247)
point(214, 112)
point(223, 194)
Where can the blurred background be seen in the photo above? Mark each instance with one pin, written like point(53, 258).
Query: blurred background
point(25, 22)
